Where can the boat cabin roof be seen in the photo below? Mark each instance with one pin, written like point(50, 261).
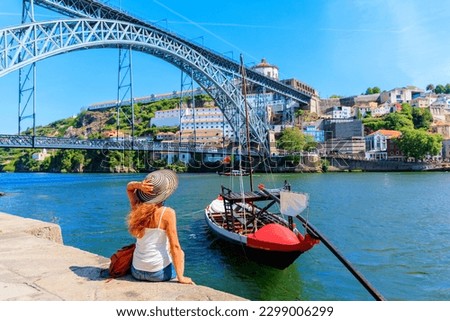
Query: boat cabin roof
point(251, 196)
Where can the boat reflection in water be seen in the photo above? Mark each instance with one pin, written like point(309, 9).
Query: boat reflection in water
point(246, 276)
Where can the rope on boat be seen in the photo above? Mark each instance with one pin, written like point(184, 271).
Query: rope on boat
point(316, 234)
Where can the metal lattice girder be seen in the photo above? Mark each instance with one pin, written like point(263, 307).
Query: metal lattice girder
point(23, 141)
point(37, 41)
point(27, 78)
point(125, 88)
point(94, 9)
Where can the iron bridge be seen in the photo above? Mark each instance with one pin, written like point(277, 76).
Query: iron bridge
point(96, 25)
point(131, 144)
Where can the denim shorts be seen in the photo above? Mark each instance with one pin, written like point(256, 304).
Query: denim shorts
point(166, 274)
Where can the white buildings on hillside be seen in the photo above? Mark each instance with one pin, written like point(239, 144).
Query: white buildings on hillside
point(169, 117)
point(266, 69)
point(341, 112)
point(199, 124)
point(380, 145)
point(400, 95)
point(40, 156)
point(440, 107)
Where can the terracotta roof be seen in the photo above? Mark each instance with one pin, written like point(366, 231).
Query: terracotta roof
point(264, 63)
point(388, 133)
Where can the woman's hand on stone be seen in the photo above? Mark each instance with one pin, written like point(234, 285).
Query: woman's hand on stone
point(185, 280)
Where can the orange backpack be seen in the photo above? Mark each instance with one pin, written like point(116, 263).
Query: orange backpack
point(121, 261)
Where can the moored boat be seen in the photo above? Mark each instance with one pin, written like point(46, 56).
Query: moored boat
point(266, 237)
point(246, 219)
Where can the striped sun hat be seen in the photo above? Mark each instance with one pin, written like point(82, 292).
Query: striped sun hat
point(165, 182)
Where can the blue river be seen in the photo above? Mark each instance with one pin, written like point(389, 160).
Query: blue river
point(393, 227)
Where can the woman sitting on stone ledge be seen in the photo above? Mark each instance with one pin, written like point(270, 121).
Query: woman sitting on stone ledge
point(158, 255)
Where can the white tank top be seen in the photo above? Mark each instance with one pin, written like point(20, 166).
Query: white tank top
point(152, 250)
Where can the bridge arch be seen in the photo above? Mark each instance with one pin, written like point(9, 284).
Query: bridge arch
point(26, 44)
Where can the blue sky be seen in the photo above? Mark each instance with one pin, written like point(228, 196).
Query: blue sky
point(337, 46)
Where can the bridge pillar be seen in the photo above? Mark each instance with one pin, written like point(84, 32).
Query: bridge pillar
point(27, 76)
point(125, 89)
point(186, 90)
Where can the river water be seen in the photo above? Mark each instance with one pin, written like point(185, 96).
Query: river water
point(393, 227)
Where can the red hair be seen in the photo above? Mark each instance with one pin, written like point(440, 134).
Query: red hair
point(140, 218)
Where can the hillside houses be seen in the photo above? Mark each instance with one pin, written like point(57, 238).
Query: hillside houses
point(375, 105)
point(378, 105)
point(336, 126)
point(381, 144)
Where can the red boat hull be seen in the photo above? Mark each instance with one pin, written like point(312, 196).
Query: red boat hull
point(275, 237)
point(277, 245)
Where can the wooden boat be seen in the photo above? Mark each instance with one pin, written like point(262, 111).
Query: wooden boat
point(244, 219)
point(234, 172)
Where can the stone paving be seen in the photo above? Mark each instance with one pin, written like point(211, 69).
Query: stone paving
point(35, 265)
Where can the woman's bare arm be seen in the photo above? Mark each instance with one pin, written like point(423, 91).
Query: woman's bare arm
point(170, 223)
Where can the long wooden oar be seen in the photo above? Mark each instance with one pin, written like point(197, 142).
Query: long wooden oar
point(316, 234)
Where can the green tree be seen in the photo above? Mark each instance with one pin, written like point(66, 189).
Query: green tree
point(398, 121)
point(373, 90)
point(299, 114)
point(44, 166)
point(311, 144)
point(292, 140)
point(77, 161)
point(406, 110)
point(422, 118)
point(447, 88)
point(430, 87)
point(376, 90)
point(417, 143)
point(26, 163)
point(440, 89)
point(372, 124)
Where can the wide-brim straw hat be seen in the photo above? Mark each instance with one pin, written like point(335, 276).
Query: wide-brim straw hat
point(164, 181)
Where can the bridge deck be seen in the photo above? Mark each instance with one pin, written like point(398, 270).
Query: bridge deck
point(137, 144)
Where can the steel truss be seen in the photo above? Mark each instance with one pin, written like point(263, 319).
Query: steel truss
point(187, 91)
point(215, 73)
point(125, 90)
point(27, 79)
point(95, 9)
point(23, 141)
point(98, 10)
point(24, 45)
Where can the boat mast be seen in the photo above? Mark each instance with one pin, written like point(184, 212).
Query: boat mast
point(244, 93)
